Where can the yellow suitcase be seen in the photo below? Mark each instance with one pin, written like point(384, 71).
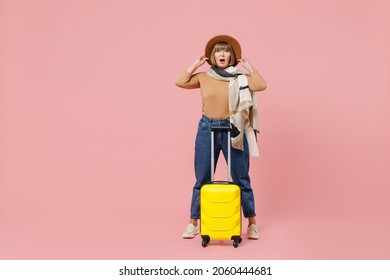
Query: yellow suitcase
point(220, 205)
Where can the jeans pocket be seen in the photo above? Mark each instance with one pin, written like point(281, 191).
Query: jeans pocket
point(202, 124)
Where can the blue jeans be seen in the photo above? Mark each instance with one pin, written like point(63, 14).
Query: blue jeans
point(239, 165)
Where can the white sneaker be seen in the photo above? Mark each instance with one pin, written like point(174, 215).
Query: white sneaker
point(252, 232)
point(191, 231)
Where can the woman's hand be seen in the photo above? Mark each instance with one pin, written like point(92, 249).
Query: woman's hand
point(246, 64)
point(197, 63)
point(200, 61)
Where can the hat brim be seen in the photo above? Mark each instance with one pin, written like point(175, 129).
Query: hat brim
point(223, 38)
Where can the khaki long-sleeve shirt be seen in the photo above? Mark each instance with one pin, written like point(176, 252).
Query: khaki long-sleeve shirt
point(215, 93)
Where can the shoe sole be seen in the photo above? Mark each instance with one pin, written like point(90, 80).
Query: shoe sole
point(190, 236)
point(253, 238)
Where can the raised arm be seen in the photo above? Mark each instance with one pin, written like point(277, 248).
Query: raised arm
point(255, 80)
point(189, 80)
point(197, 63)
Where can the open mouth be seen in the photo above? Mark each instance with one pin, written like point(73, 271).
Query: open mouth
point(222, 60)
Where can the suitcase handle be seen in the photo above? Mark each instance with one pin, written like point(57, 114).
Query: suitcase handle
point(221, 128)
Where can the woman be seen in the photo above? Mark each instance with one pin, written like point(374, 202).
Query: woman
point(227, 100)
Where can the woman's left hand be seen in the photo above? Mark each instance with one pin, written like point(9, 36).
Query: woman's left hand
point(247, 65)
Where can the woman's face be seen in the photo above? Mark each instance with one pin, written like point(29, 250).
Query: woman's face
point(222, 57)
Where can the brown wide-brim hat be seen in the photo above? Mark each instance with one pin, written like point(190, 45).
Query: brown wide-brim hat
point(223, 38)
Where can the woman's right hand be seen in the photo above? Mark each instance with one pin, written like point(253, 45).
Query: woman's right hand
point(197, 63)
point(201, 60)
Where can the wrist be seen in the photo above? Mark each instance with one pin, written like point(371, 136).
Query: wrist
point(250, 69)
point(192, 68)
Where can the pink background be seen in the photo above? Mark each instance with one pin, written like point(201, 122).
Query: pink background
point(96, 141)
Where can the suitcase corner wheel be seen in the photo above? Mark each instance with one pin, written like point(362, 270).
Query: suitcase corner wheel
point(205, 240)
point(236, 240)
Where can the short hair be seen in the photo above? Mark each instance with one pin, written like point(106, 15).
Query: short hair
point(223, 46)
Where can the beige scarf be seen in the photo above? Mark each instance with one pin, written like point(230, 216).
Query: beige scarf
point(242, 107)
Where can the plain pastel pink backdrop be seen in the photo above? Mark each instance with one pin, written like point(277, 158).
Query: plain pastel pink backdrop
point(96, 141)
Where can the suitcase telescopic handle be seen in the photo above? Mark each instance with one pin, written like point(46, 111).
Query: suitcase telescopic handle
point(221, 128)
